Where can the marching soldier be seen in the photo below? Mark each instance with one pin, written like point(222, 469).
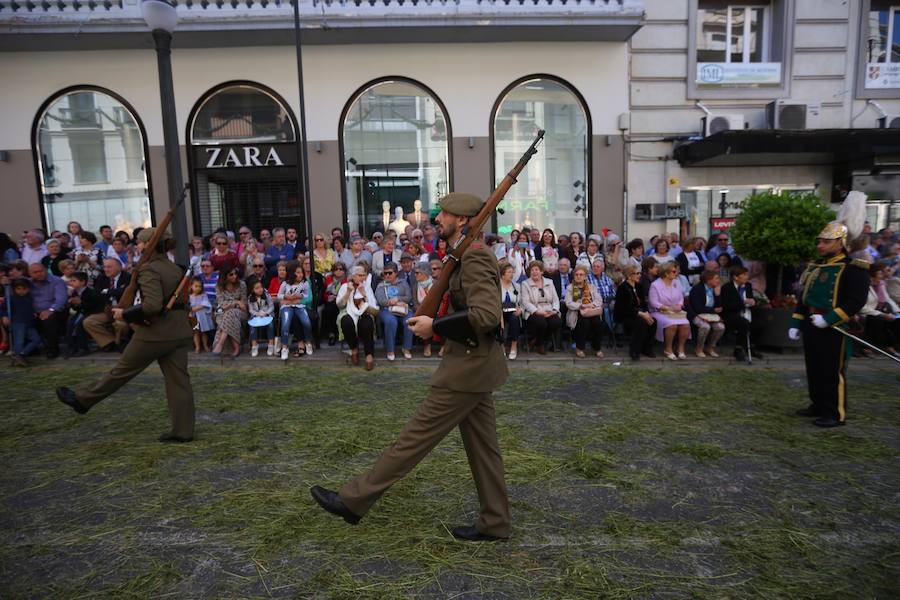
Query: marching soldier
point(834, 289)
point(160, 335)
point(460, 392)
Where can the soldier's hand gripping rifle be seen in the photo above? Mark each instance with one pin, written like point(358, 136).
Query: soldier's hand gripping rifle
point(432, 302)
point(128, 294)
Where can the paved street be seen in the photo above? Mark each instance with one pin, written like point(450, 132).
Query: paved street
point(687, 480)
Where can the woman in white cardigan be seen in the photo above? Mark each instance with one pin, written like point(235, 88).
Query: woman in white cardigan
point(510, 295)
point(356, 301)
point(585, 314)
point(541, 306)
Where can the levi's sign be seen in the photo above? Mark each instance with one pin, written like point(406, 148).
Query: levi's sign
point(258, 155)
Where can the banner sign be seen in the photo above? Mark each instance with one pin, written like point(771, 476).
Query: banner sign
point(243, 156)
point(882, 75)
point(738, 73)
point(722, 223)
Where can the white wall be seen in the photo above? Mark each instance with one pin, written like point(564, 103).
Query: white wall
point(466, 77)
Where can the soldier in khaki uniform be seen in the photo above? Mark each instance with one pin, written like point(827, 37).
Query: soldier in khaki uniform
point(460, 392)
point(161, 336)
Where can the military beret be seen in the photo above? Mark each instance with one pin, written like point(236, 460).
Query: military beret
point(145, 235)
point(461, 203)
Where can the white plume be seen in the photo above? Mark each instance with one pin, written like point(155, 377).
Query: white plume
point(853, 214)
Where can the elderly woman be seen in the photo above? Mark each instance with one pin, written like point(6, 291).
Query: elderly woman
point(661, 251)
point(541, 304)
point(705, 312)
point(882, 316)
point(54, 256)
point(358, 252)
point(222, 256)
point(590, 254)
point(323, 256)
point(512, 309)
point(357, 304)
point(231, 310)
point(341, 252)
point(667, 308)
point(394, 297)
point(631, 310)
point(691, 261)
point(585, 315)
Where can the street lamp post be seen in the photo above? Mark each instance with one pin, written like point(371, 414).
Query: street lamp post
point(162, 19)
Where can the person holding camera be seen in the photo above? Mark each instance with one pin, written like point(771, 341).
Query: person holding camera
point(358, 307)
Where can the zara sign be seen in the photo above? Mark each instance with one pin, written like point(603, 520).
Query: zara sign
point(244, 156)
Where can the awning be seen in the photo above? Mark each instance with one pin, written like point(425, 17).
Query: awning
point(853, 148)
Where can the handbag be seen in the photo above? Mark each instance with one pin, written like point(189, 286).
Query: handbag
point(591, 312)
point(710, 317)
point(400, 309)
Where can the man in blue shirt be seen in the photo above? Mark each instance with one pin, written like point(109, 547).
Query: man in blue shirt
point(51, 305)
point(106, 239)
point(722, 247)
point(279, 250)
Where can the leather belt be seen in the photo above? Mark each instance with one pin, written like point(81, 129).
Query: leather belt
point(819, 311)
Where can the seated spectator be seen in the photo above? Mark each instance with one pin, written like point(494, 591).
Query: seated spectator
point(119, 249)
point(106, 331)
point(598, 278)
point(424, 281)
point(253, 255)
point(541, 307)
point(718, 245)
point(705, 312)
point(54, 257)
point(512, 309)
point(201, 315)
point(737, 300)
point(388, 254)
point(691, 262)
point(34, 249)
point(576, 246)
point(635, 251)
point(666, 303)
point(724, 264)
point(275, 282)
point(9, 252)
point(210, 279)
point(222, 257)
point(20, 319)
point(104, 242)
point(84, 302)
point(882, 317)
point(323, 256)
point(393, 299)
point(632, 312)
point(248, 245)
point(261, 308)
point(357, 303)
point(51, 305)
point(590, 254)
point(256, 271)
point(294, 296)
point(358, 253)
point(330, 310)
point(585, 316)
point(88, 258)
point(561, 279)
point(316, 297)
point(278, 251)
point(520, 257)
point(661, 252)
point(341, 252)
point(231, 310)
point(547, 252)
point(407, 272)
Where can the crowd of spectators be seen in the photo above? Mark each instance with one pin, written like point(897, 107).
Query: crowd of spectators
point(269, 288)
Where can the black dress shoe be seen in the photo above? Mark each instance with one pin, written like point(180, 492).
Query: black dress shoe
point(809, 411)
point(332, 503)
point(169, 437)
point(67, 396)
point(470, 533)
point(827, 422)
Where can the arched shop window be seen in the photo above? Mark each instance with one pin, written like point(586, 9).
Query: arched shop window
point(91, 160)
point(243, 157)
point(395, 139)
point(553, 191)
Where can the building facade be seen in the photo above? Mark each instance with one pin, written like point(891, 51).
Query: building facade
point(403, 101)
point(730, 98)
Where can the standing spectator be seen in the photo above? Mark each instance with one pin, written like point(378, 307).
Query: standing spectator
point(279, 250)
point(721, 247)
point(667, 308)
point(357, 304)
point(251, 256)
point(201, 311)
point(358, 253)
point(541, 306)
point(631, 310)
point(197, 254)
point(294, 242)
point(333, 283)
point(576, 246)
point(106, 239)
point(520, 257)
point(547, 252)
point(724, 264)
point(705, 312)
point(393, 298)
point(105, 330)
point(75, 232)
point(323, 256)
point(222, 257)
point(50, 303)
point(585, 316)
point(337, 233)
point(294, 291)
point(635, 250)
point(54, 257)
point(661, 252)
point(341, 252)
point(89, 258)
point(429, 240)
point(510, 295)
point(562, 244)
point(231, 310)
point(120, 251)
point(591, 253)
point(20, 319)
point(247, 243)
point(691, 262)
point(534, 238)
point(265, 238)
point(261, 309)
point(210, 279)
point(9, 252)
point(674, 248)
point(737, 302)
point(34, 249)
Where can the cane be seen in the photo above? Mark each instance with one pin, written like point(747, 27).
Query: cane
point(865, 343)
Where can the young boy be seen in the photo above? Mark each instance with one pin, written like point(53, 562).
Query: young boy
point(20, 320)
point(85, 301)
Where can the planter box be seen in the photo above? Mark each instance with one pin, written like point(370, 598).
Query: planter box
point(775, 323)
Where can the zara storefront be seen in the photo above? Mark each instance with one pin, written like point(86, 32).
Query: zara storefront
point(390, 127)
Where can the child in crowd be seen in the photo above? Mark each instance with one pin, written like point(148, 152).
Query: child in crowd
point(84, 301)
point(20, 320)
point(293, 297)
point(261, 308)
point(201, 311)
point(274, 288)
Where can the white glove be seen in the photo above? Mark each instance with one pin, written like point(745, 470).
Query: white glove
point(794, 333)
point(819, 321)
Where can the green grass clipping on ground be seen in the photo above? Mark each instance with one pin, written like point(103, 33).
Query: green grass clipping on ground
point(623, 483)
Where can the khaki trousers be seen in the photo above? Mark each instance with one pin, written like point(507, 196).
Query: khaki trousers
point(441, 411)
point(172, 357)
point(104, 329)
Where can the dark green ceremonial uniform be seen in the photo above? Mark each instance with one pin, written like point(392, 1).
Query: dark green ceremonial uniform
point(837, 290)
point(166, 340)
point(459, 396)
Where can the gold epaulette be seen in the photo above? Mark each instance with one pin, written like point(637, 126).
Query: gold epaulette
point(862, 264)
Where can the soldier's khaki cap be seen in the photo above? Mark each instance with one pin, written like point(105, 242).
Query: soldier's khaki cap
point(461, 203)
point(146, 234)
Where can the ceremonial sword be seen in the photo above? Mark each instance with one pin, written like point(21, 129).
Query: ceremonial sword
point(865, 343)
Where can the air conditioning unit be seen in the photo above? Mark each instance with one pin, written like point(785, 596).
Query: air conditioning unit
point(713, 124)
point(889, 122)
point(786, 114)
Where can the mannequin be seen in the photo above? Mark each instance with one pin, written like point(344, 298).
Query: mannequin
point(417, 217)
point(386, 214)
point(399, 224)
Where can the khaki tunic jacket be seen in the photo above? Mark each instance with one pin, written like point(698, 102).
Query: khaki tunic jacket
point(157, 280)
point(475, 286)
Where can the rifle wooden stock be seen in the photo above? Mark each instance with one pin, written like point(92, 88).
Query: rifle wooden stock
point(128, 294)
point(432, 302)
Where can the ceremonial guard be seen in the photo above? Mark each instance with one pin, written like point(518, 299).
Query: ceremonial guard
point(161, 334)
point(460, 390)
point(833, 290)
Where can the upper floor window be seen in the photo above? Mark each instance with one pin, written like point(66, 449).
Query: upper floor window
point(878, 62)
point(883, 39)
